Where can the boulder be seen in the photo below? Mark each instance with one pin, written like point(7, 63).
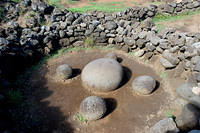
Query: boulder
point(143, 85)
point(189, 118)
point(110, 25)
point(102, 75)
point(194, 131)
point(93, 108)
point(186, 91)
point(172, 58)
point(64, 71)
point(166, 64)
point(166, 125)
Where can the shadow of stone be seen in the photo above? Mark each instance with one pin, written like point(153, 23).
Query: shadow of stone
point(156, 87)
point(76, 72)
point(37, 115)
point(126, 76)
point(119, 59)
point(111, 105)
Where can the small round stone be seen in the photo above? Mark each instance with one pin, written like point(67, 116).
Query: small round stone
point(93, 108)
point(144, 85)
point(102, 75)
point(111, 56)
point(64, 71)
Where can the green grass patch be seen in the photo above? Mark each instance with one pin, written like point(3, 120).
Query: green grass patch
point(16, 1)
point(163, 17)
point(89, 42)
point(132, 53)
point(105, 7)
point(81, 118)
point(170, 114)
point(56, 3)
point(163, 75)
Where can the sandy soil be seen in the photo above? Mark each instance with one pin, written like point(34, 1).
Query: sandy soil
point(188, 24)
point(54, 104)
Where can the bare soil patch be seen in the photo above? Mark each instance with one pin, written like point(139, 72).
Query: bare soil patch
point(53, 105)
point(187, 24)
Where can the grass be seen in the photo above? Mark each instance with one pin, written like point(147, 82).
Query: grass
point(81, 118)
point(105, 7)
point(89, 42)
point(132, 53)
point(16, 1)
point(163, 75)
point(170, 114)
point(163, 17)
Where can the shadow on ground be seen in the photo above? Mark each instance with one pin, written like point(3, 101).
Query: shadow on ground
point(37, 115)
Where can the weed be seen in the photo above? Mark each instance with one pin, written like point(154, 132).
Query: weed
point(15, 97)
point(42, 23)
point(16, 1)
point(163, 17)
point(132, 53)
point(105, 7)
point(22, 11)
point(160, 27)
point(71, 1)
point(163, 75)
point(81, 118)
point(89, 42)
point(170, 114)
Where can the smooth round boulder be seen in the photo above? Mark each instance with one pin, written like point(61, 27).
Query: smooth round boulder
point(102, 75)
point(111, 56)
point(144, 85)
point(93, 108)
point(64, 71)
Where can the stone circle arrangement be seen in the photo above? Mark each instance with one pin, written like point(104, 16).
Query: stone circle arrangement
point(129, 30)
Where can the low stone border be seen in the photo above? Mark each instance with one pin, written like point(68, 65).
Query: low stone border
point(129, 30)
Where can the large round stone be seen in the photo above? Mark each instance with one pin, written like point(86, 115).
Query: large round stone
point(64, 71)
point(93, 108)
point(102, 75)
point(144, 85)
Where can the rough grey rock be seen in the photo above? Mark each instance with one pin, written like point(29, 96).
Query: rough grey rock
point(189, 118)
point(139, 53)
point(194, 131)
point(111, 25)
point(129, 41)
point(102, 75)
point(64, 71)
point(166, 125)
point(143, 85)
point(3, 41)
point(185, 91)
point(197, 66)
point(166, 64)
point(64, 42)
point(172, 58)
point(93, 108)
point(140, 43)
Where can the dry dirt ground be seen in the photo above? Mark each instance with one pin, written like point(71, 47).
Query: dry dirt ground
point(128, 3)
point(187, 24)
point(55, 104)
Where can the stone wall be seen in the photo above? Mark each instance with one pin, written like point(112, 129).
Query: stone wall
point(47, 29)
